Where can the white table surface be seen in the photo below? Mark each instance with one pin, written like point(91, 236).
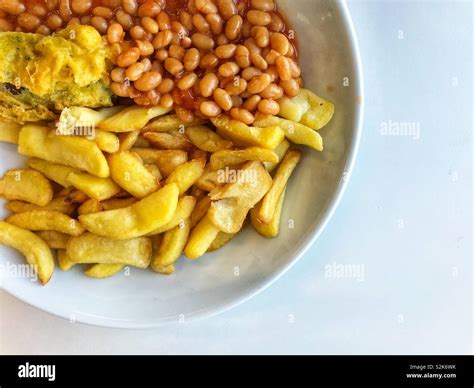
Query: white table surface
point(405, 220)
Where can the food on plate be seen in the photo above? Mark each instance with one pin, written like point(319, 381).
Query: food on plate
point(153, 129)
point(42, 74)
point(26, 185)
point(92, 249)
point(35, 249)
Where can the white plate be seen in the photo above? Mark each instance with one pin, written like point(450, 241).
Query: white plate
point(222, 280)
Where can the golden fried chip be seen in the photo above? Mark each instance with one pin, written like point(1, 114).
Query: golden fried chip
point(56, 172)
point(129, 172)
point(171, 248)
point(46, 220)
point(95, 187)
point(243, 135)
point(92, 249)
point(26, 185)
point(286, 168)
point(35, 250)
point(132, 118)
point(137, 220)
point(73, 151)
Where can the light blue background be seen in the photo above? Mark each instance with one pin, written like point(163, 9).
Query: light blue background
point(406, 219)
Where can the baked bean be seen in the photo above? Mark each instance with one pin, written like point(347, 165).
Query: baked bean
point(176, 52)
point(224, 81)
point(74, 22)
point(291, 52)
point(54, 22)
point(163, 21)
point(258, 84)
point(259, 18)
point(5, 25)
point(208, 84)
point(52, 5)
point(186, 42)
point(154, 97)
point(284, 69)
point(258, 61)
point(215, 22)
point(115, 33)
point(269, 107)
point(251, 103)
point(221, 40)
point(13, 7)
point(65, 10)
point(206, 6)
point(237, 101)
point(148, 81)
point(263, 5)
point(142, 101)
point(273, 73)
point(223, 99)
point(233, 27)
point(202, 42)
point(271, 57)
point(241, 7)
point(201, 24)
point(132, 91)
point(250, 72)
point(210, 109)
point(261, 36)
point(291, 87)
point(186, 19)
point(242, 56)
point(162, 39)
point(137, 32)
point(146, 48)
point(191, 59)
point(236, 87)
point(295, 69)
point(226, 51)
point(279, 43)
point(124, 19)
point(227, 8)
point(28, 21)
point(209, 61)
point(130, 7)
point(166, 86)
point(86, 20)
point(166, 101)
point(273, 91)
point(161, 54)
point(146, 64)
point(252, 45)
point(187, 82)
point(150, 24)
point(229, 69)
point(246, 29)
point(100, 24)
point(184, 115)
point(38, 10)
point(149, 8)
point(135, 71)
point(276, 23)
point(173, 66)
point(103, 12)
point(119, 88)
point(242, 115)
point(43, 30)
point(128, 57)
point(112, 3)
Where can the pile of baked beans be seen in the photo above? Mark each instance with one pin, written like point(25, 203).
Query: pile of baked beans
point(202, 57)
